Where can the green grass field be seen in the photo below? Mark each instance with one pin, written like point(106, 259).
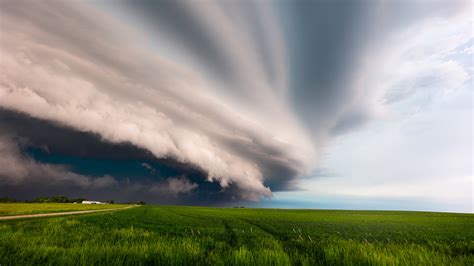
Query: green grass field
point(153, 235)
point(7, 209)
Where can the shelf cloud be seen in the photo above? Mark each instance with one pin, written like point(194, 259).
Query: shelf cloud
point(74, 66)
point(193, 102)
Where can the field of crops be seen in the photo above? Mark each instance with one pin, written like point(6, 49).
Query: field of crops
point(217, 236)
point(7, 209)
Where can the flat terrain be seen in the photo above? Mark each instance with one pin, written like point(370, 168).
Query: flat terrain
point(34, 208)
point(216, 236)
point(37, 215)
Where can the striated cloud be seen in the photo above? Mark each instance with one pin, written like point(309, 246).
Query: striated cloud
point(73, 65)
point(205, 102)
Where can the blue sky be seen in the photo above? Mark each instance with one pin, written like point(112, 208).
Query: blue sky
point(294, 104)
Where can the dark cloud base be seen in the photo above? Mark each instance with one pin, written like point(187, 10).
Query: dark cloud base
point(138, 174)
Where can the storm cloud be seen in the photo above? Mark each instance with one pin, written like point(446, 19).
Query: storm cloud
point(188, 102)
point(72, 65)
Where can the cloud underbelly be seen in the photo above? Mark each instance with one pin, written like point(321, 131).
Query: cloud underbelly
point(70, 68)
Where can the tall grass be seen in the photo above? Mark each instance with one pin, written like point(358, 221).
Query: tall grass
point(151, 235)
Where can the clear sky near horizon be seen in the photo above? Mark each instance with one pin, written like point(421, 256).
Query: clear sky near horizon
point(360, 104)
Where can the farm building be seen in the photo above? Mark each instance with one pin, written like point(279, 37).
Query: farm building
point(91, 202)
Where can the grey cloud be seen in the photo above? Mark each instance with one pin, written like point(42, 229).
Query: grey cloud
point(230, 42)
point(174, 186)
point(148, 167)
point(23, 177)
point(332, 43)
point(208, 86)
point(17, 170)
point(134, 98)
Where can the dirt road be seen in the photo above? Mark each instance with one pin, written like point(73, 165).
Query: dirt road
point(58, 213)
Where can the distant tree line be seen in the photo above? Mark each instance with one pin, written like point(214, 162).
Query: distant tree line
point(44, 199)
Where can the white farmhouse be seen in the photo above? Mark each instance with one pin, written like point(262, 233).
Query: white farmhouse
point(91, 202)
